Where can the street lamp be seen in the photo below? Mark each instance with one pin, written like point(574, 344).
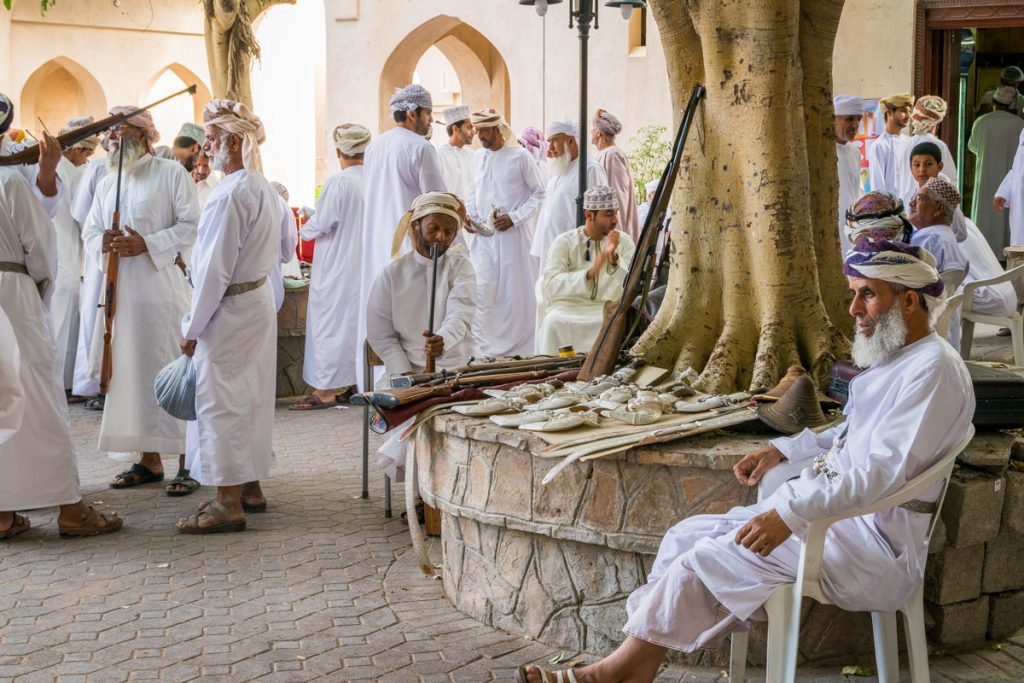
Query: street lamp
point(583, 13)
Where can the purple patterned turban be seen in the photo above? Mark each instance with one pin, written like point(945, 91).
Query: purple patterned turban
point(895, 262)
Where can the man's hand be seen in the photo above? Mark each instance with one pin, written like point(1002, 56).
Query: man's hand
point(763, 533)
point(187, 346)
point(108, 238)
point(752, 466)
point(131, 244)
point(49, 155)
point(998, 204)
point(502, 222)
point(611, 244)
point(433, 345)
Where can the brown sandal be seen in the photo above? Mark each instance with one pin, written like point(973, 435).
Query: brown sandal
point(20, 524)
point(560, 676)
point(92, 524)
point(190, 525)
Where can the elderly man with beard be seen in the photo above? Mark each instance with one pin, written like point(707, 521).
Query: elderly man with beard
point(558, 213)
point(396, 318)
point(848, 110)
point(231, 329)
point(913, 402)
point(611, 158)
point(159, 213)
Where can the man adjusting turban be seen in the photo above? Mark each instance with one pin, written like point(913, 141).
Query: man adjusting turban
point(897, 263)
point(351, 139)
point(488, 118)
point(237, 119)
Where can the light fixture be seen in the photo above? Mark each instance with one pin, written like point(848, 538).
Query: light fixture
point(626, 6)
point(541, 6)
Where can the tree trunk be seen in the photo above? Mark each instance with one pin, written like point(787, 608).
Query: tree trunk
point(755, 251)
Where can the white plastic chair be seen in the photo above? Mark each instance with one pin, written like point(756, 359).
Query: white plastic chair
point(944, 313)
point(968, 317)
point(783, 607)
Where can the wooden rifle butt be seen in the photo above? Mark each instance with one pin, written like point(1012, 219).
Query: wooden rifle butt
point(603, 356)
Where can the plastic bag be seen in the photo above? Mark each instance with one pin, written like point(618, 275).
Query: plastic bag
point(175, 388)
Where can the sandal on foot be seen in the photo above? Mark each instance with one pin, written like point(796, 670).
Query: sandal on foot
point(135, 476)
point(92, 524)
point(96, 403)
point(254, 507)
point(219, 513)
point(311, 402)
point(182, 479)
point(75, 398)
point(560, 676)
point(344, 396)
point(19, 524)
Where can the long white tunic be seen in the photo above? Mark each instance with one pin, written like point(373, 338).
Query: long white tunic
point(38, 462)
point(158, 201)
point(615, 164)
point(12, 391)
point(506, 273)
point(558, 212)
point(941, 241)
point(849, 186)
point(288, 238)
point(992, 141)
point(885, 162)
point(457, 169)
point(86, 383)
point(1012, 190)
point(948, 163)
point(205, 187)
point(332, 315)
point(902, 416)
point(64, 311)
point(1001, 299)
point(236, 350)
point(573, 307)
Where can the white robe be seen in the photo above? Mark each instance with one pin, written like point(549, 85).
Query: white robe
point(998, 300)
point(948, 163)
point(506, 316)
point(573, 307)
point(64, 311)
point(332, 315)
point(30, 172)
point(558, 212)
point(993, 141)
point(205, 187)
point(457, 169)
point(941, 241)
point(85, 383)
point(903, 414)
point(158, 201)
point(236, 350)
point(615, 164)
point(848, 159)
point(885, 162)
point(288, 237)
point(397, 315)
point(1012, 190)
point(12, 391)
point(38, 462)
point(988, 99)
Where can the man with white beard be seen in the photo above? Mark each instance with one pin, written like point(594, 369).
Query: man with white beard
point(231, 329)
point(911, 405)
point(558, 213)
point(507, 195)
point(159, 212)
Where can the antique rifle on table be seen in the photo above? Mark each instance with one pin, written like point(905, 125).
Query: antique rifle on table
point(606, 349)
point(429, 365)
point(110, 283)
point(417, 379)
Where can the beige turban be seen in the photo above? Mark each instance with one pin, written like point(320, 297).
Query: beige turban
point(903, 99)
point(488, 118)
point(607, 124)
point(351, 138)
point(143, 120)
point(424, 205)
point(928, 114)
point(81, 122)
point(238, 119)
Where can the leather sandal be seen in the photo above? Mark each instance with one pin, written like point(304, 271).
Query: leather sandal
point(560, 676)
point(20, 524)
point(219, 513)
point(183, 479)
point(92, 524)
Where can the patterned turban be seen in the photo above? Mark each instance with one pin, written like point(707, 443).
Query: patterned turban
point(425, 205)
point(143, 120)
point(280, 189)
point(928, 114)
point(564, 126)
point(534, 142)
point(410, 98)
point(903, 99)
point(77, 122)
point(944, 192)
point(877, 216)
point(488, 118)
point(238, 119)
point(351, 138)
point(606, 124)
point(895, 262)
point(600, 198)
point(6, 113)
point(193, 132)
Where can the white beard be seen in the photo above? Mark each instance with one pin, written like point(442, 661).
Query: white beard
point(559, 165)
point(889, 336)
point(133, 151)
point(220, 159)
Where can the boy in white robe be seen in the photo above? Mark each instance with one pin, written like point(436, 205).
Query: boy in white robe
point(911, 405)
point(929, 111)
point(849, 110)
point(888, 150)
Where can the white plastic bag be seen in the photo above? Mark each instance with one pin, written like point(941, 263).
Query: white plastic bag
point(175, 388)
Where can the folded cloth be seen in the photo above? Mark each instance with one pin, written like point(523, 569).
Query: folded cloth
point(175, 388)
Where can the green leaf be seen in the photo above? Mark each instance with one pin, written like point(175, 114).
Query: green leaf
point(556, 659)
point(7, 4)
point(857, 671)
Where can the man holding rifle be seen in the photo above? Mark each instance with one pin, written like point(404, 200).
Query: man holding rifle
point(159, 211)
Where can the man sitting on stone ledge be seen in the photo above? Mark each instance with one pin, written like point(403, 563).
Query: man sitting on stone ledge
point(911, 405)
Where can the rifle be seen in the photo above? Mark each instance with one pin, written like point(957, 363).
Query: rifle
point(396, 398)
point(30, 155)
point(429, 365)
point(110, 284)
point(535, 363)
point(605, 351)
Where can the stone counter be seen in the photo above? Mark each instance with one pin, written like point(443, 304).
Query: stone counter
point(291, 341)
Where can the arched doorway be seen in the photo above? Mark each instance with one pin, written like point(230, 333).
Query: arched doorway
point(480, 68)
point(169, 116)
point(58, 90)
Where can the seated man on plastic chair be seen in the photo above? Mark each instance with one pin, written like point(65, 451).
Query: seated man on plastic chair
point(914, 402)
point(397, 327)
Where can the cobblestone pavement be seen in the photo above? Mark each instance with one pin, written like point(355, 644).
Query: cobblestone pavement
point(322, 586)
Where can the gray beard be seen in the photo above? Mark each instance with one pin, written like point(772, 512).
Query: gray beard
point(559, 165)
point(133, 151)
point(219, 161)
point(890, 336)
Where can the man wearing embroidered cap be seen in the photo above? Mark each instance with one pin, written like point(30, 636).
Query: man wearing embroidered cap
point(399, 303)
point(585, 268)
point(912, 404)
point(611, 158)
point(187, 143)
point(849, 110)
point(159, 213)
point(886, 152)
point(332, 325)
point(455, 155)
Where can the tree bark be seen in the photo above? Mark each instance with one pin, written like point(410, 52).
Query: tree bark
point(755, 250)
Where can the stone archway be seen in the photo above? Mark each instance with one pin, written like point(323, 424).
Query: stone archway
point(58, 90)
point(481, 69)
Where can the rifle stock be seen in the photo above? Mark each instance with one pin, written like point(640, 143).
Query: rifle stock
point(605, 352)
point(110, 285)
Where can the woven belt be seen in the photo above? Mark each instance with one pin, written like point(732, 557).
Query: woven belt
point(243, 287)
point(925, 508)
point(9, 267)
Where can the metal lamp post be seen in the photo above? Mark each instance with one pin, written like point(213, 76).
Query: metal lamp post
point(581, 14)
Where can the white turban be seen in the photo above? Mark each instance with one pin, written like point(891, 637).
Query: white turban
point(351, 138)
point(410, 98)
point(142, 120)
point(848, 105)
point(488, 118)
point(564, 126)
point(238, 119)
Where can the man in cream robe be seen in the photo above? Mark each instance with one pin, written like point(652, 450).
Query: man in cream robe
point(888, 151)
point(586, 268)
point(399, 304)
point(231, 329)
point(332, 325)
point(159, 212)
point(508, 194)
point(848, 110)
point(993, 141)
point(912, 404)
point(615, 164)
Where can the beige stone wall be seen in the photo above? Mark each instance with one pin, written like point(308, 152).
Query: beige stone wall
point(874, 52)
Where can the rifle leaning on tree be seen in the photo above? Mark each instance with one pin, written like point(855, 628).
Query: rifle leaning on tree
point(606, 349)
